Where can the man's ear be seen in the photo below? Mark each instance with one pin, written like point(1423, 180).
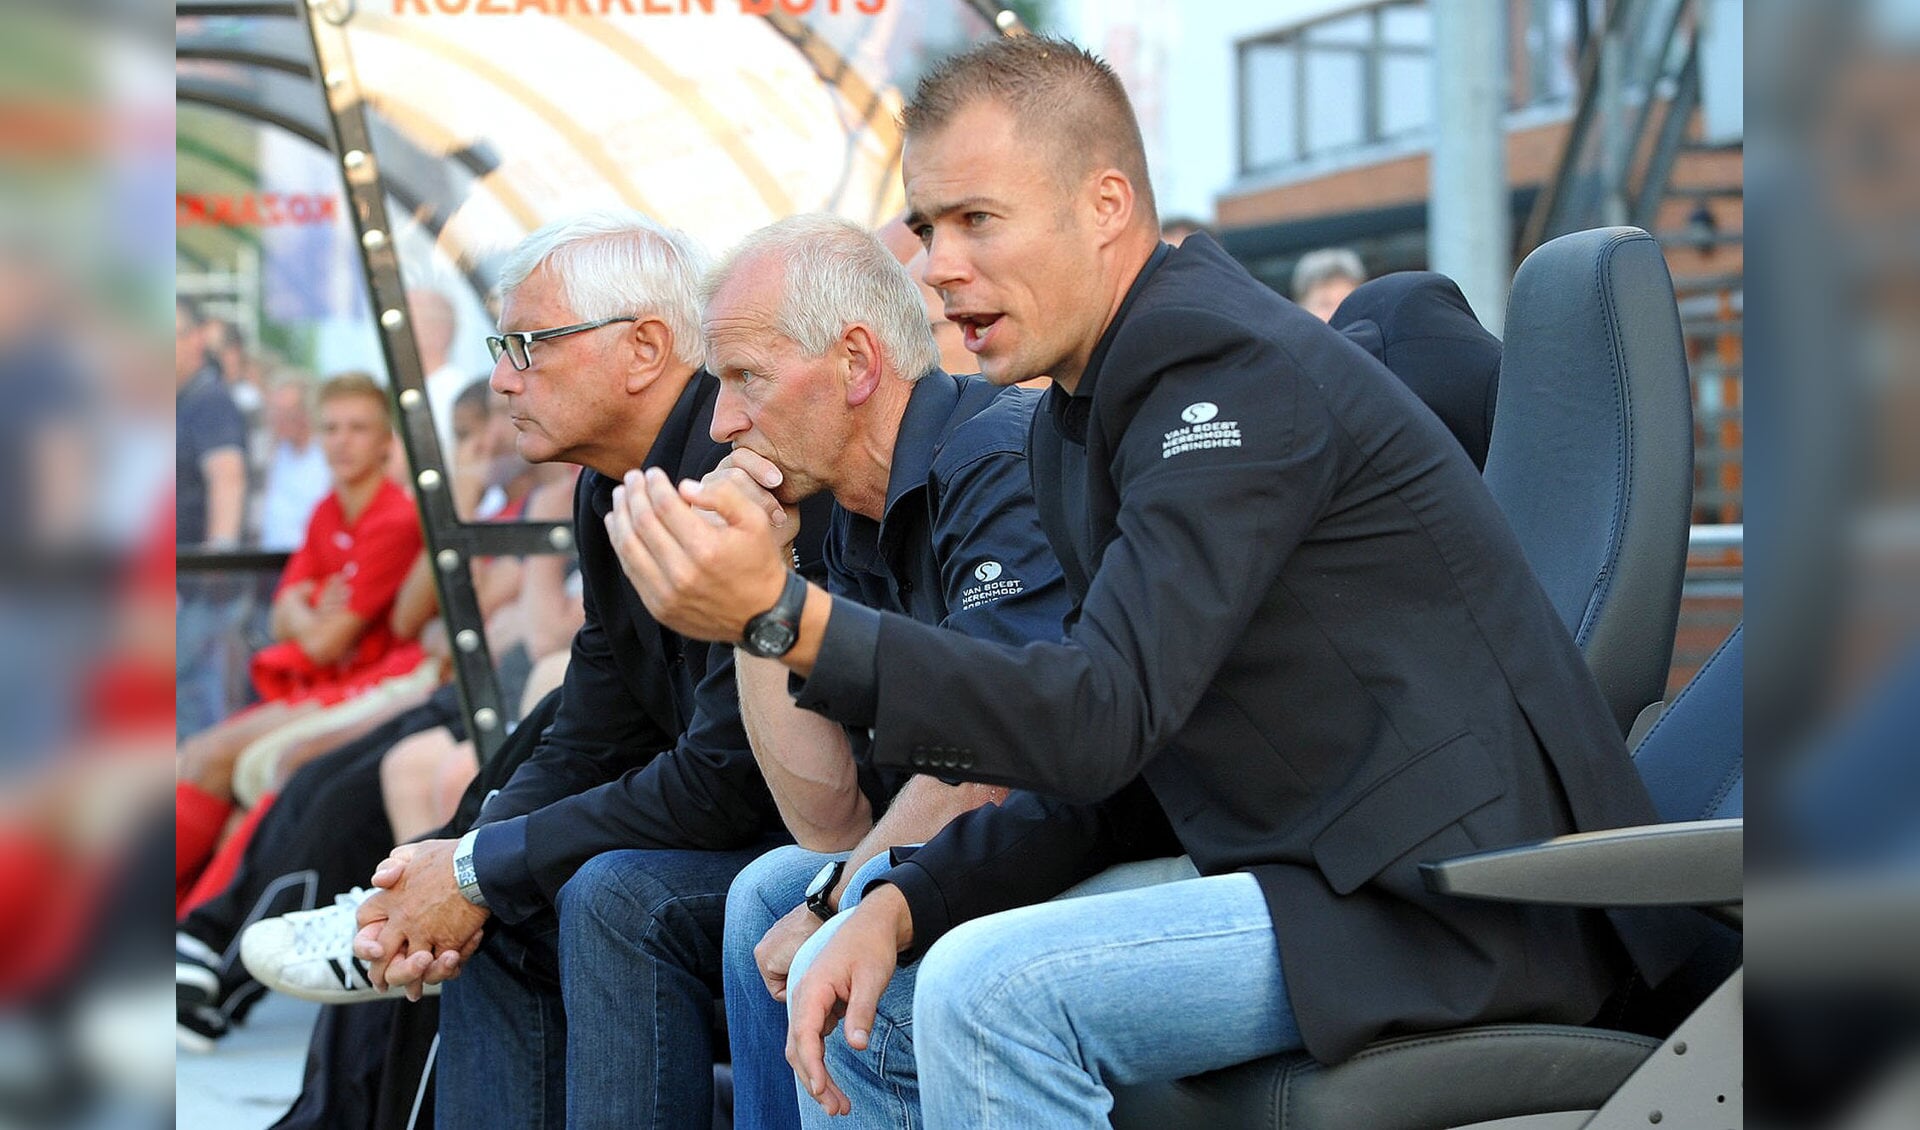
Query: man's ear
point(864, 369)
point(1111, 200)
point(651, 351)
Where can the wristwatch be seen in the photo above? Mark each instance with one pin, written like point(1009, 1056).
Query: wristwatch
point(773, 633)
point(822, 886)
point(463, 873)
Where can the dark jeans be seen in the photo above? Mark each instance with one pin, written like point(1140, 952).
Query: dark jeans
point(624, 977)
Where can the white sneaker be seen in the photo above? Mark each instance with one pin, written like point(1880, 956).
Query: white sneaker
point(309, 954)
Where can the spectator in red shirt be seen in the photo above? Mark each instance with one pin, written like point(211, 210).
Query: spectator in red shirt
point(330, 612)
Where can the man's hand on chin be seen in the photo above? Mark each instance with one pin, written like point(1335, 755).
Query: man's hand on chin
point(757, 477)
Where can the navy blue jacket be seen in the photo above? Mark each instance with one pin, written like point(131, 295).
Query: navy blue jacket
point(647, 749)
point(959, 543)
point(1302, 619)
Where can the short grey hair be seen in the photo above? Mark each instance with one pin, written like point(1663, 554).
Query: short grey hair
point(838, 274)
point(615, 263)
point(1316, 267)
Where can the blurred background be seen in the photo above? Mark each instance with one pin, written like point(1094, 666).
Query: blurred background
point(1453, 135)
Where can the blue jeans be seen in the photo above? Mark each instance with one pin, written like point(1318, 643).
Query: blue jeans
point(202, 626)
point(601, 1016)
point(764, 1090)
point(1142, 972)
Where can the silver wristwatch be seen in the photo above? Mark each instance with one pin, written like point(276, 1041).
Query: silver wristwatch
point(463, 873)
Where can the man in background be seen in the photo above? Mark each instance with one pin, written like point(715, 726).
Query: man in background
point(1322, 280)
point(210, 490)
point(296, 469)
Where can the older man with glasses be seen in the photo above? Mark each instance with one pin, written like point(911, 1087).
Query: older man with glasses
point(646, 760)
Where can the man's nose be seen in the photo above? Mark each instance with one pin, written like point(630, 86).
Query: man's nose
point(505, 379)
point(729, 415)
point(947, 265)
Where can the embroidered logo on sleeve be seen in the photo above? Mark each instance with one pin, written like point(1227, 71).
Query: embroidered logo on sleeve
point(993, 585)
point(1202, 431)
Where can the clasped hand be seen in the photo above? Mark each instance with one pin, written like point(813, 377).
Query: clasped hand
point(707, 557)
point(418, 928)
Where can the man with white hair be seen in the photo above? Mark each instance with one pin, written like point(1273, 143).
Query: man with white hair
point(599, 358)
point(830, 385)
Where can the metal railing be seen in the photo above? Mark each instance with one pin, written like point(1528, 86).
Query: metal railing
point(1639, 45)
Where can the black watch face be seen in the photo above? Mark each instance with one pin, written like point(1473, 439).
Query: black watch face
point(821, 882)
point(771, 638)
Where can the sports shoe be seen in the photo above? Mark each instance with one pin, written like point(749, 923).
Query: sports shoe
point(199, 1021)
point(309, 954)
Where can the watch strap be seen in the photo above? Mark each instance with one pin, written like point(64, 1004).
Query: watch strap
point(817, 896)
point(785, 612)
point(463, 872)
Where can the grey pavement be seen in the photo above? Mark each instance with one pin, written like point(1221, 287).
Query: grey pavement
point(252, 1076)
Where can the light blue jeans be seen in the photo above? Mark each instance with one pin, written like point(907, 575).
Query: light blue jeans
point(203, 625)
point(1142, 972)
point(762, 894)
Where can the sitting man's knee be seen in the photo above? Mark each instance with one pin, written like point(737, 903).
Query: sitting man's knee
point(607, 885)
point(764, 876)
point(956, 976)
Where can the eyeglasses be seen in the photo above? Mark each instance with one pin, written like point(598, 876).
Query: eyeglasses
point(519, 346)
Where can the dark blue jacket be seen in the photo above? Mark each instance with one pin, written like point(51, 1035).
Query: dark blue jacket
point(1420, 326)
point(959, 543)
point(1302, 619)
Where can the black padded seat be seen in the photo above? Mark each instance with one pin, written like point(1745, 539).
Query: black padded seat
point(1427, 1082)
point(1591, 459)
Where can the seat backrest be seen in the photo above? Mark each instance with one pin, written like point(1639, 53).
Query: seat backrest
point(1592, 451)
point(1693, 758)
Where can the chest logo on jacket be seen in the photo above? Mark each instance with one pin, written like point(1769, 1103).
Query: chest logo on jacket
point(993, 586)
point(1202, 431)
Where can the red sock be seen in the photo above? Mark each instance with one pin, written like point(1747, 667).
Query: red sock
point(32, 893)
point(220, 870)
point(198, 819)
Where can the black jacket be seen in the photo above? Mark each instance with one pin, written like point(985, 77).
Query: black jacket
point(1305, 623)
point(1420, 326)
point(647, 750)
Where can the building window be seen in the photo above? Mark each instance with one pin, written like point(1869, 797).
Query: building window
point(1366, 77)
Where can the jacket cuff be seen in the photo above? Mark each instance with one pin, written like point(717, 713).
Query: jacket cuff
point(500, 866)
point(925, 902)
point(847, 670)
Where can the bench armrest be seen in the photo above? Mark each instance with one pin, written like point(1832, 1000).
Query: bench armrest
point(1698, 863)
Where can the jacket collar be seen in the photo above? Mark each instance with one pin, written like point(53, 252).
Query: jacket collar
point(1072, 420)
point(670, 446)
point(669, 450)
point(922, 426)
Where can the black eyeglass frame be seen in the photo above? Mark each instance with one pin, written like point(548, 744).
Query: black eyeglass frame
point(523, 360)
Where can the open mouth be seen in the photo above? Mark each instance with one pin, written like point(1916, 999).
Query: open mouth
point(975, 329)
